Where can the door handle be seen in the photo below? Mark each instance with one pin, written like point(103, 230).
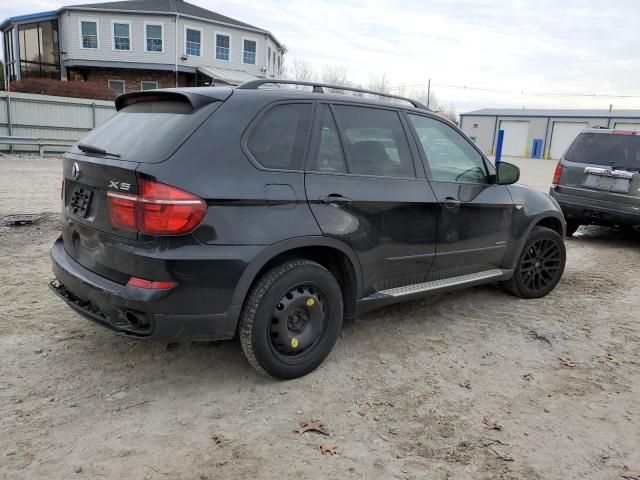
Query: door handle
point(451, 203)
point(335, 199)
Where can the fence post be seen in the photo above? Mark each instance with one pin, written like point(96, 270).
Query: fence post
point(93, 113)
point(9, 123)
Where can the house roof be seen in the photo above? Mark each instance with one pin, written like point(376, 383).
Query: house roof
point(158, 6)
point(170, 6)
point(557, 112)
point(30, 16)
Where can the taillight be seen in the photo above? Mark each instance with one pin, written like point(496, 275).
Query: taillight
point(158, 209)
point(557, 174)
point(123, 210)
point(149, 284)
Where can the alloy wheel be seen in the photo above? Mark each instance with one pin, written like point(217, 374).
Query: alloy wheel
point(541, 264)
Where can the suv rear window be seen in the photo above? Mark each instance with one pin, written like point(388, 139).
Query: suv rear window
point(148, 132)
point(619, 151)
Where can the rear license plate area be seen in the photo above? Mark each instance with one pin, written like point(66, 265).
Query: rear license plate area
point(608, 180)
point(80, 201)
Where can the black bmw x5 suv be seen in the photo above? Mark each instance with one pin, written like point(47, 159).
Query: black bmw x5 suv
point(274, 213)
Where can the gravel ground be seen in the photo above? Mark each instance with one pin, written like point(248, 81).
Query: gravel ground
point(403, 395)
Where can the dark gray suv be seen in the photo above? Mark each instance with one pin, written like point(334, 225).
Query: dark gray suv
point(597, 179)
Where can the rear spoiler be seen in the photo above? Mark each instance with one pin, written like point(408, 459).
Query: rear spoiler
point(196, 100)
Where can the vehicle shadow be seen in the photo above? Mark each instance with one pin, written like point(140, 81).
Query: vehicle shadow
point(613, 236)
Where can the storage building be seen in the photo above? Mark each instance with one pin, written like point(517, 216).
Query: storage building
point(539, 133)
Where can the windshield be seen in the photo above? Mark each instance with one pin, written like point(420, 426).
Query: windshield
point(619, 151)
point(148, 132)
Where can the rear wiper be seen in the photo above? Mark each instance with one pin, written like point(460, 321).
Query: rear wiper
point(91, 149)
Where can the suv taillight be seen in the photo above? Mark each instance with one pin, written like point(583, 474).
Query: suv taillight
point(557, 174)
point(158, 209)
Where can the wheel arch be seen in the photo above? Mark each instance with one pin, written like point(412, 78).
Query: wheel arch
point(552, 219)
point(332, 254)
point(555, 223)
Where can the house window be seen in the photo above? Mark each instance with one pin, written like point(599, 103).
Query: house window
point(39, 50)
point(249, 52)
point(193, 39)
point(280, 65)
point(117, 86)
point(153, 36)
point(9, 57)
point(222, 47)
point(148, 85)
point(89, 31)
point(121, 36)
point(268, 58)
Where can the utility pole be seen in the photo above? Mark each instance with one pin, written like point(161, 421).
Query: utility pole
point(428, 92)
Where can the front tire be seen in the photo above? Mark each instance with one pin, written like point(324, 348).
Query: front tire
point(540, 265)
point(291, 319)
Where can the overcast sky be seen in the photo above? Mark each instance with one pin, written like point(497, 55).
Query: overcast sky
point(530, 46)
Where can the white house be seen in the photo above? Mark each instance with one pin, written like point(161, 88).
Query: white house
point(139, 44)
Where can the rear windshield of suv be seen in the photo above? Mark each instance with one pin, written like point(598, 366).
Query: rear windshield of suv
point(615, 150)
point(148, 132)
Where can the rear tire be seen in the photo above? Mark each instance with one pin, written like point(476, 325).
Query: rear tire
point(291, 319)
point(572, 227)
point(540, 265)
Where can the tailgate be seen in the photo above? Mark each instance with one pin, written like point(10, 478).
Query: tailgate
point(87, 232)
point(86, 181)
point(600, 182)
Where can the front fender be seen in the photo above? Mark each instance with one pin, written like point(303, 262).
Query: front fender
point(531, 208)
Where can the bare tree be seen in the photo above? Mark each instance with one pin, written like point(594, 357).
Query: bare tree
point(427, 98)
point(449, 113)
point(380, 83)
point(300, 70)
point(335, 75)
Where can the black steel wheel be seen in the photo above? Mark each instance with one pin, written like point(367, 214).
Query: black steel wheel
point(540, 266)
point(298, 321)
point(291, 319)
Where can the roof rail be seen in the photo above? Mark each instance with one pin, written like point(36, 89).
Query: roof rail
point(319, 88)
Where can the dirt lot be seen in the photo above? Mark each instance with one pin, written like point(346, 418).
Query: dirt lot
point(403, 395)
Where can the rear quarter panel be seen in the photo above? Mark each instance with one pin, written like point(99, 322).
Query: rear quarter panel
point(246, 205)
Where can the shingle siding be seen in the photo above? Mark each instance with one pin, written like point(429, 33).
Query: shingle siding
point(105, 51)
point(71, 38)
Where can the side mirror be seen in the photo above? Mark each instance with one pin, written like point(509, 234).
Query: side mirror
point(507, 173)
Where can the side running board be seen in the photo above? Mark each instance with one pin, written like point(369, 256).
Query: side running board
point(438, 284)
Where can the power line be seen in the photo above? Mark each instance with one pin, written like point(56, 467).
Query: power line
point(525, 93)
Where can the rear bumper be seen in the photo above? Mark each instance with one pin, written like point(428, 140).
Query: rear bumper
point(589, 210)
point(131, 311)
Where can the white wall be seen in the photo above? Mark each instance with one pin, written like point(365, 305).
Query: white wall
point(69, 22)
point(45, 116)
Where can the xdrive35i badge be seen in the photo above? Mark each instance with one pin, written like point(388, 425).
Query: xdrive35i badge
point(75, 171)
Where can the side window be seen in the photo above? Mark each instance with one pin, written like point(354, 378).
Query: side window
point(330, 156)
point(375, 142)
point(279, 137)
point(450, 156)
